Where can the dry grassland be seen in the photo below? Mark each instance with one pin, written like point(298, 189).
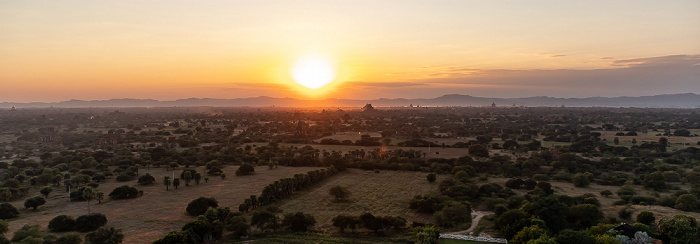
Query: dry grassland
point(383, 193)
point(158, 211)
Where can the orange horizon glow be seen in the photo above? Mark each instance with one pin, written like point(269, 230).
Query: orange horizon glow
point(169, 50)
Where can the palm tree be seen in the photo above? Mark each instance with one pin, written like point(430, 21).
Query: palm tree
point(166, 182)
point(89, 194)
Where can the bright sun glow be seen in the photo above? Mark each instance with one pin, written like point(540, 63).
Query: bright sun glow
point(313, 71)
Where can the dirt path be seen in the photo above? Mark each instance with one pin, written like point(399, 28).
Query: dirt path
point(476, 217)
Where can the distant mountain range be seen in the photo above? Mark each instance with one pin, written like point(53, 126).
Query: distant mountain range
point(686, 100)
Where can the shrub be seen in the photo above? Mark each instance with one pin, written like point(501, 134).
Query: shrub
point(646, 217)
point(431, 177)
point(71, 238)
point(146, 179)
point(46, 190)
point(625, 213)
point(8, 211)
point(124, 177)
point(28, 234)
point(34, 202)
point(245, 169)
point(200, 205)
point(299, 221)
point(90, 222)
point(173, 238)
point(62, 223)
point(340, 193)
point(124, 192)
point(606, 193)
point(105, 235)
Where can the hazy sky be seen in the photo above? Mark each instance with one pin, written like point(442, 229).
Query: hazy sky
point(61, 50)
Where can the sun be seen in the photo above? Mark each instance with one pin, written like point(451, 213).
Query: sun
point(313, 71)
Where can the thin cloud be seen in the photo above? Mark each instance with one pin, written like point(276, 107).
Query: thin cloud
point(671, 60)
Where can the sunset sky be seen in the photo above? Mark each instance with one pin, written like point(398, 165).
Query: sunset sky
point(94, 50)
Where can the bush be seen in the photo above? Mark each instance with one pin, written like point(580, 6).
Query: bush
point(606, 193)
point(28, 234)
point(431, 177)
point(200, 205)
point(173, 238)
point(646, 217)
point(34, 202)
point(124, 177)
point(340, 193)
point(146, 179)
point(62, 223)
point(245, 169)
point(105, 235)
point(299, 221)
point(625, 213)
point(124, 192)
point(8, 211)
point(90, 222)
point(71, 238)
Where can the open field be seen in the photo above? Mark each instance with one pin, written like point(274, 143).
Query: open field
point(158, 211)
point(383, 193)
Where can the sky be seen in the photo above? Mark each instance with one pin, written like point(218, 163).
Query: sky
point(96, 50)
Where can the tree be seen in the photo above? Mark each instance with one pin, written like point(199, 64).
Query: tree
point(105, 235)
point(686, 202)
point(88, 195)
point(569, 236)
point(606, 193)
point(478, 151)
point(550, 210)
point(455, 214)
point(646, 217)
point(345, 221)
point(90, 222)
point(197, 177)
point(223, 176)
point(62, 223)
point(340, 193)
point(7, 211)
point(187, 176)
point(238, 226)
point(146, 179)
point(34, 202)
point(124, 192)
point(46, 190)
point(655, 180)
point(584, 215)
point(200, 205)
point(174, 238)
point(299, 221)
point(680, 228)
point(264, 219)
point(371, 222)
point(176, 182)
point(616, 141)
point(431, 177)
point(245, 169)
point(166, 182)
point(580, 180)
point(529, 233)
